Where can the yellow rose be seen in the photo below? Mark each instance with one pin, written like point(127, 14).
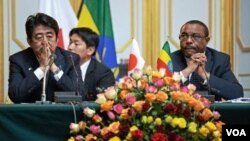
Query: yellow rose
point(100, 98)
point(192, 127)
point(168, 119)
point(144, 119)
point(182, 123)
point(217, 134)
point(158, 121)
point(210, 126)
point(150, 119)
point(115, 138)
point(204, 131)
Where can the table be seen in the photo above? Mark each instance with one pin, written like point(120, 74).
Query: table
point(233, 113)
point(41, 122)
point(30, 122)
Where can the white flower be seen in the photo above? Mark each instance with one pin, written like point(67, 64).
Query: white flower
point(176, 76)
point(110, 93)
point(88, 112)
point(101, 98)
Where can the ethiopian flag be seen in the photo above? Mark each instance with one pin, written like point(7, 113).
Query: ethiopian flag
point(164, 60)
point(95, 14)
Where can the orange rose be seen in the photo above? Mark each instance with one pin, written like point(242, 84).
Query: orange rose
point(219, 125)
point(106, 106)
point(206, 113)
point(138, 105)
point(150, 97)
point(104, 131)
point(161, 96)
point(142, 83)
point(168, 80)
point(156, 75)
point(123, 94)
point(82, 125)
point(199, 106)
point(124, 114)
point(90, 137)
point(114, 127)
point(97, 118)
point(175, 95)
point(192, 102)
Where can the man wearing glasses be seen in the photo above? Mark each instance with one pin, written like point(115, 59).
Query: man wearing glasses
point(206, 68)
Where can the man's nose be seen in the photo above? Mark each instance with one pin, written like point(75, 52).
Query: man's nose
point(45, 40)
point(189, 38)
point(71, 47)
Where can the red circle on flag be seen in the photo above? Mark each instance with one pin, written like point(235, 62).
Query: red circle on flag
point(132, 62)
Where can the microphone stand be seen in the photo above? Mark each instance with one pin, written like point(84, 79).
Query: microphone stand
point(208, 85)
point(43, 95)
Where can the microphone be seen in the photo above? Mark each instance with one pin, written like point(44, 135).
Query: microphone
point(70, 96)
point(207, 78)
point(52, 58)
point(210, 90)
point(77, 79)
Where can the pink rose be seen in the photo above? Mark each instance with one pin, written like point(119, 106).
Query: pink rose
point(94, 129)
point(130, 99)
point(111, 115)
point(216, 115)
point(118, 108)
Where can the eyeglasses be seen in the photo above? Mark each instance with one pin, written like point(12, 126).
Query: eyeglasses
point(194, 37)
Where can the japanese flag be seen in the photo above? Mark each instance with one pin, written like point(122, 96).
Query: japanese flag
point(62, 11)
point(135, 59)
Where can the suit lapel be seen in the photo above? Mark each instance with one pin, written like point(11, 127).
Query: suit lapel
point(209, 60)
point(179, 62)
point(90, 68)
point(32, 62)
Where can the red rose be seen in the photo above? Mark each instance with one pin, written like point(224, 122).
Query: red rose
point(145, 107)
point(158, 137)
point(169, 108)
point(137, 135)
point(124, 127)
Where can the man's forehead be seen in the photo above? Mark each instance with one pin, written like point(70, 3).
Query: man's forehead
point(43, 29)
point(192, 28)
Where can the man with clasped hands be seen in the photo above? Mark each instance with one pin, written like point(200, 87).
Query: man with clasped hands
point(27, 67)
point(205, 67)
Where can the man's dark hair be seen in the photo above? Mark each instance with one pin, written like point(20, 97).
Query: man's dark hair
point(40, 19)
point(206, 31)
point(90, 37)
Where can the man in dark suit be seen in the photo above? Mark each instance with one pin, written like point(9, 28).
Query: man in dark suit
point(28, 67)
point(95, 75)
point(205, 67)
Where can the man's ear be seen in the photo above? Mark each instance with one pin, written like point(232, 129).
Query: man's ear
point(29, 41)
point(91, 50)
point(207, 39)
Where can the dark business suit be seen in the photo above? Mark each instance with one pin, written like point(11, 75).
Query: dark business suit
point(97, 76)
point(223, 83)
point(24, 86)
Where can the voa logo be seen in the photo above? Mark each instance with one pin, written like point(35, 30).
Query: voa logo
point(236, 132)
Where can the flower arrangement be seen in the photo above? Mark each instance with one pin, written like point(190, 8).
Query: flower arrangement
point(149, 106)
